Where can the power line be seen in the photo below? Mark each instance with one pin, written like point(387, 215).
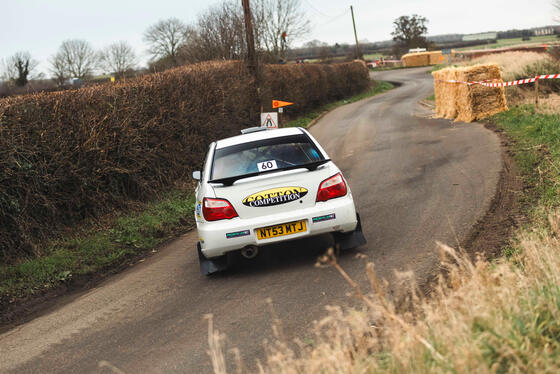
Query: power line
point(313, 34)
point(333, 19)
point(317, 10)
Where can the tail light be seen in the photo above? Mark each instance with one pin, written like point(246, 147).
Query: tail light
point(331, 188)
point(217, 209)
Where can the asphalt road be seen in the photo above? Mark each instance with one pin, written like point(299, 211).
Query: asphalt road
point(415, 180)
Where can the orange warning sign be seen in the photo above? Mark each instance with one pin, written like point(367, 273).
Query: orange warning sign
point(280, 104)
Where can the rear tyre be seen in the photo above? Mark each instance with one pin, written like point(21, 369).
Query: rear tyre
point(349, 240)
point(213, 265)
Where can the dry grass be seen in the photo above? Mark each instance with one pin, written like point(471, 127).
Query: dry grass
point(515, 64)
point(484, 318)
point(548, 104)
point(519, 65)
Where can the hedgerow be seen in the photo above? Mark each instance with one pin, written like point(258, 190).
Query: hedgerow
point(72, 155)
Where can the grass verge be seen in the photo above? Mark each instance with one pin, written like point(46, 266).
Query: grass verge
point(484, 317)
point(98, 248)
point(304, 121)
point(536, 144)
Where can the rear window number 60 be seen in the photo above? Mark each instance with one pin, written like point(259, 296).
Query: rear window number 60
point(267, 165)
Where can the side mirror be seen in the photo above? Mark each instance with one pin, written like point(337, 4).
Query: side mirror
point(197, 175)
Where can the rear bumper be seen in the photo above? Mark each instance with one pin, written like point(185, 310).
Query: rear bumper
point(337, 215)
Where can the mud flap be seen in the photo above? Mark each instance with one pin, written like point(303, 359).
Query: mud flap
point(211, 266)
point(352, 239)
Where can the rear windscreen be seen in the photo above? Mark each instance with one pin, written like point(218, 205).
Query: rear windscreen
point(264, 155)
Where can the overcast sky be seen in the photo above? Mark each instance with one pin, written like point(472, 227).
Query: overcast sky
point(39, 26)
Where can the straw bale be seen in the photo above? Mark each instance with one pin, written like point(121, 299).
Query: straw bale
point(476, 102)
point(436, 57)
point(468, 103)
point(422, 58)
point(445, 93)
point(416, 59)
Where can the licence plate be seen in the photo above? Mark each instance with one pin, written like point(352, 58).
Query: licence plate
point(281, 230)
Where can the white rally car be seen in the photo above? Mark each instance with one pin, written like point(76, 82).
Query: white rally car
point(267, 186)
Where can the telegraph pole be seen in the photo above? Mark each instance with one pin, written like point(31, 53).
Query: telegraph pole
point(251, 55)
point(358, 54)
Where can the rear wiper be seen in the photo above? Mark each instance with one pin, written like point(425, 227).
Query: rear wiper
point(311, 166)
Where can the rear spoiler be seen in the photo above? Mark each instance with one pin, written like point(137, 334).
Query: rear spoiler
point(309, 166)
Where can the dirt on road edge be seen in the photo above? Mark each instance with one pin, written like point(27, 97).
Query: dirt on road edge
point(494, 230)
point(27, 309)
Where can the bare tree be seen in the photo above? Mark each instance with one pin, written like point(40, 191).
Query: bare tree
point(58, 68)
point(314, 47)
point(8, 72)
point(117, 58)
point(278, 23)
point(17, 68)
point(76, 58)
point(217, 34)
point(165, 38)
point(409, 32)
point(556, 4)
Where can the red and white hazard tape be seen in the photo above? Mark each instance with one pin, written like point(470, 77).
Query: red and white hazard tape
point(508, 84)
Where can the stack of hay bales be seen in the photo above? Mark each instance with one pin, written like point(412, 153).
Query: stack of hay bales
point(415, 59)
point(477, 102)
point(423, 58)
point(469, 103)
point(436, 57)
point(445, 93)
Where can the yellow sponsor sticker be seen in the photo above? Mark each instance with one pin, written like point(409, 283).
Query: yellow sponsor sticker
point(275, 196)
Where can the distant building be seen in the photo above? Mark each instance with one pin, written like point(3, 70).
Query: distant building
point(541, 31)
point(73, 82)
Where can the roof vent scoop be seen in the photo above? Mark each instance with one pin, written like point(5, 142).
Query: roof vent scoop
point(253, 129)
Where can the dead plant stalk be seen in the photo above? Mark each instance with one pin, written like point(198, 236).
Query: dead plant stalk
point(381, 296)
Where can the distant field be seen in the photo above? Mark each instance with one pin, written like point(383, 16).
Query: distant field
point(315, 60)
point(511, 42)
point(373, 56)
point(370, 56)
point(500, 44)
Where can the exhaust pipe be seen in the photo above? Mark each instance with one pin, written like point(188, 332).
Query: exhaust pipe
point(250, 251)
